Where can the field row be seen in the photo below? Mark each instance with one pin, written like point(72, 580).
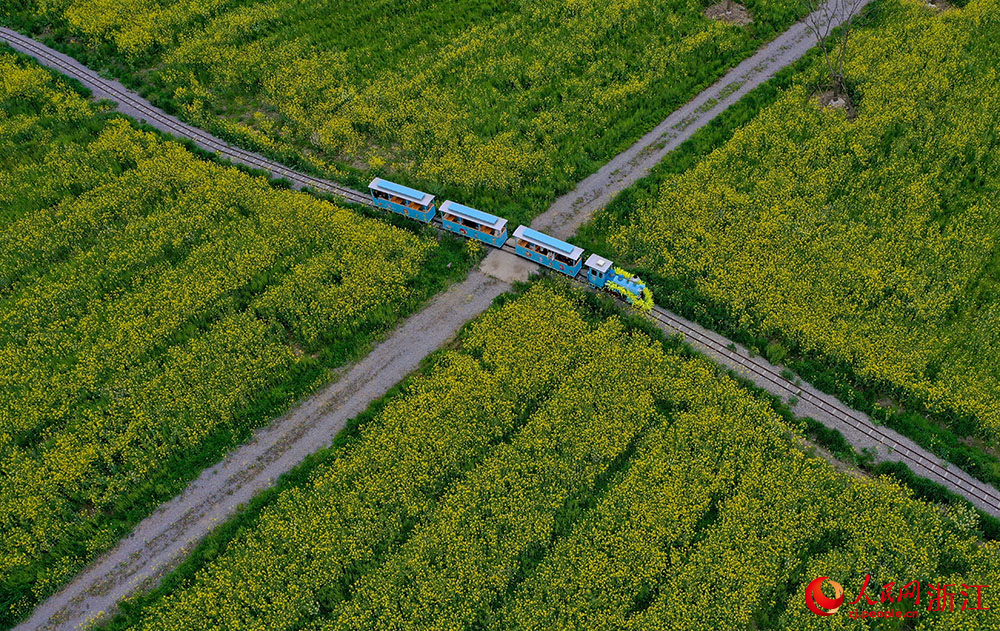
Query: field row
point(560, 471)
point(503, 104)
point(155, 308)
point(868, 240)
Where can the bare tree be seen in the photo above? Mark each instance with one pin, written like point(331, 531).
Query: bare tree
point(823, 19)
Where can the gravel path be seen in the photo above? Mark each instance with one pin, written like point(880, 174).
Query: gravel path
point(160, 541)
point(575, 208)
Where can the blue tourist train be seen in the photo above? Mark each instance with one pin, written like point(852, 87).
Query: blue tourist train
point(531, 244)
point(473, 223)
point(549, 251)
point(402, 199)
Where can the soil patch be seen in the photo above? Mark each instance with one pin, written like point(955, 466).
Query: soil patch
point(732, 13)
point(889, 403)
point(979, 443)
point(939, 5)
point(826, 99)
point(507, 267)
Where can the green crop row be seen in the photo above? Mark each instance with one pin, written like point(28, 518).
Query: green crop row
point(501, 104)
point(562, 470)
point(154, 309)
point(867, 243)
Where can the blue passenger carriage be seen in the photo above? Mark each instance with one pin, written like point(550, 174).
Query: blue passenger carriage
point(549, 251)
point(473, 223)
point(402, 199)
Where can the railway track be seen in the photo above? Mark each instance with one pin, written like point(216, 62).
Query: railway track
point(163, 539)
point(982, 494)
point(979, 493)
point(203, 139)
point(170, 124)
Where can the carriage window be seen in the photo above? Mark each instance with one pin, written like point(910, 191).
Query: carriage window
point(380, 195)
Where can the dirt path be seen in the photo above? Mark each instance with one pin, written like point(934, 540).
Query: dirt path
point(160, 541)
point(575, 208)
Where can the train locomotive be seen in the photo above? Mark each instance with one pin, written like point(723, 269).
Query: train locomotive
point(531, 244)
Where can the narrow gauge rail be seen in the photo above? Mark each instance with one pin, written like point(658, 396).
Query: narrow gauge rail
point(204, 139)
point(934, 470)
point(972, 487)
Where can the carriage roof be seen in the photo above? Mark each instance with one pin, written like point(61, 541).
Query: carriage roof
point(483, 219)
point(407, 193)
point(552, 243)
